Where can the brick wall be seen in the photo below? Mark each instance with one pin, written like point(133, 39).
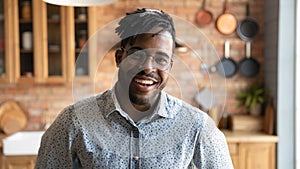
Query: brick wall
point(45, 101)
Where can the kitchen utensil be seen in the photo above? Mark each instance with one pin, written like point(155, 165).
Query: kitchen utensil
point(248, 66)
point(13, 116)
point(247, 28)
point(204, 99)
point(203, 16)
point(227, 67)
point(226, 22)
point(269, 117)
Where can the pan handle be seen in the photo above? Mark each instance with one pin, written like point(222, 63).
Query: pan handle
point(203, 4)
point(247, 9)
point(248, 49)
point(227, 49)
point(225, 7)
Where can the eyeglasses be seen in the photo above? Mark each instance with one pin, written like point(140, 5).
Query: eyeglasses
point(160, 60)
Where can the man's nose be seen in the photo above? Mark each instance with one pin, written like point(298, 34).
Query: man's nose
point(148, 64)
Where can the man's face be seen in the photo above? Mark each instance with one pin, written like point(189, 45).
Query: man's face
point(144, 66)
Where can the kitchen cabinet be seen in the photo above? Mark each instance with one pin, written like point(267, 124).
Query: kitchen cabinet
point(2, 41)
point(43, 41)
point(252, 150)
point(248, 150)
point(6, 22)
point(18, 162)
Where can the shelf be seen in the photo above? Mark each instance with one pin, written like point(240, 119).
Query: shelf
point(25, 21)
point(53, 21)
point(26, 51)
point(80, 21)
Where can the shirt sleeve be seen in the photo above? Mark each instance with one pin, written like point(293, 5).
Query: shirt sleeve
point(55, 151)
point(211, 148)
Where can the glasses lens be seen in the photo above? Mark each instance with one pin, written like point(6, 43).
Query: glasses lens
point(159, 60)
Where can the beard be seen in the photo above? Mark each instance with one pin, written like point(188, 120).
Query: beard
point(142, 100)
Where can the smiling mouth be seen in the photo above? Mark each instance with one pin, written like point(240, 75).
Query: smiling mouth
point(145, 82)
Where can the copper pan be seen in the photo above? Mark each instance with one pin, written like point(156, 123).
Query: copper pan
point(226, 23)
point(203, 16)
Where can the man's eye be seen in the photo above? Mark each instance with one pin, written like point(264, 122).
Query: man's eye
point(162, 60)
point(137, 55)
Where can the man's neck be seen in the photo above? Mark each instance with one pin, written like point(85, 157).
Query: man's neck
point(136, 112)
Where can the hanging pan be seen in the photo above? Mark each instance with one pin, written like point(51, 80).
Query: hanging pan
point(203, 16)
point(248, 67)
point(247, 28)
point(226, 22)
point(226, 67)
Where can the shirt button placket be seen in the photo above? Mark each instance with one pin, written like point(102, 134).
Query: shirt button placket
point(135, 153)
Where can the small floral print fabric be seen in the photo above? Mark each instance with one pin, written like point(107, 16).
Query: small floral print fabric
point(95, 134)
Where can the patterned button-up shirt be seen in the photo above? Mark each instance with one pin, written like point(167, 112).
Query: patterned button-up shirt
point(95, 133)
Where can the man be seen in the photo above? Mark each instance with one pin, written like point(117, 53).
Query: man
point(135, 124)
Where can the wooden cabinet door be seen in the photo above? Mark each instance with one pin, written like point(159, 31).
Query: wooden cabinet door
point(257, 155)
point(19, 162)
point(234, 154)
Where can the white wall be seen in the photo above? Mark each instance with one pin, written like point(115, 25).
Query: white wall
point(286, 84)
point(297, 105)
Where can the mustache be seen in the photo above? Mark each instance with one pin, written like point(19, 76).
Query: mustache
point(150, 75)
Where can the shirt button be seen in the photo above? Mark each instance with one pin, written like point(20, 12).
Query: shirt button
point(136, 158)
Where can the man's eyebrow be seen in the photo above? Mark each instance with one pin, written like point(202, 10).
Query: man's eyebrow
point(157, 52)
point(136, 47)
point(154, 34)
point(163, 53)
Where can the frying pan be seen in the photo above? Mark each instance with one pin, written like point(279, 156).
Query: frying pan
point(226, 22)
point(248, 67)
point(203, 17)
point(247, 28)
point(226, 67)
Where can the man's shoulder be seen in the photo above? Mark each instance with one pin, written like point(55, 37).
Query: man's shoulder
point(93, 99)
point(89, 103)
point(185, 108)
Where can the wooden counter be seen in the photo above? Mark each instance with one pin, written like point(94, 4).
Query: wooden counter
point(250, 150)
point(253, 137)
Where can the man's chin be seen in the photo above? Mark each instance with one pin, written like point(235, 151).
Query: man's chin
point(143, 100)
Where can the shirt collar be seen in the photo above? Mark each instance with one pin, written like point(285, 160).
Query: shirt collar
point(168, 105)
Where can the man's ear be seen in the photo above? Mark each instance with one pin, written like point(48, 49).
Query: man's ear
point(119, 56)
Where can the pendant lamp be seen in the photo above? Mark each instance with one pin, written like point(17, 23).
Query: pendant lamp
point(80, 2)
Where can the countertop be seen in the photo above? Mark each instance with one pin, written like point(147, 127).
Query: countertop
point(236, 136)
point(242, 136)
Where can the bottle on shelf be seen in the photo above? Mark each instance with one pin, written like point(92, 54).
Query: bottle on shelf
point(82, 38)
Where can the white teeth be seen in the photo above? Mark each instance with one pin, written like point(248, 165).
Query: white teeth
point(145, 82)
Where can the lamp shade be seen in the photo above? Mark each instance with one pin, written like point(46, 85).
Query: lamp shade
point(80, 2)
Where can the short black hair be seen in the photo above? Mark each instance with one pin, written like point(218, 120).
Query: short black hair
point(142, 21)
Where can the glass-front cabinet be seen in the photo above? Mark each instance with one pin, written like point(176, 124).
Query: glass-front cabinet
point(2, 41)
point(81, 37)
point(44, 41)
point(26, 45)
point(56, 66)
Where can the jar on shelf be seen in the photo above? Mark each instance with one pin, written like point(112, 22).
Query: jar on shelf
point(82, 13)
point(26, 10)
point(27, 40)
